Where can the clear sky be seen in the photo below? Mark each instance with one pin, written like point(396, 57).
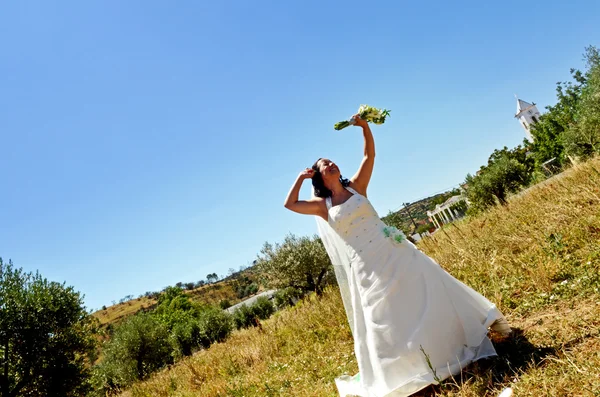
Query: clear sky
point(145, 143)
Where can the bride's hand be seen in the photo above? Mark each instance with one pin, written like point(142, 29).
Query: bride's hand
point(307, 173)
point(359, 122)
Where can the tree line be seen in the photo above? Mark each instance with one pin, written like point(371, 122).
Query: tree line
point(568, 132)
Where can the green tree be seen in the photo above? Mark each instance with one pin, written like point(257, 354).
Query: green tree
point(175, 307)
point(246, 316)
point(240, 285)
point(185, 335)
point(46, 340)
point(212, 278)
point(299, 262)
point(190, 286)
point(424, 227)
point(507, 171)
point(548, 131)
point(519, 154)
point(168, 294)
point(582, 139)
point(286, 297)
point(215, 326)
point(441, 198)
point(571, 126)
point(224, 304)
point(398, 219)
point(243, 317)
point(263, 308)
point(137, 348)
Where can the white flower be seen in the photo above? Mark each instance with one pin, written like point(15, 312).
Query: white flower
point(367, 113)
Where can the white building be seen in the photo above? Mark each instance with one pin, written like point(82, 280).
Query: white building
point(527, 113)
point(444, 213)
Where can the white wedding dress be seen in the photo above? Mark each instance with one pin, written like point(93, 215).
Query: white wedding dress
point(405, 309)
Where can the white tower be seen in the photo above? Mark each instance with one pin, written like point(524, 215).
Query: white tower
point(527, 113)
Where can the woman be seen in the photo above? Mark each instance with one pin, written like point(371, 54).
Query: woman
point(413, 323)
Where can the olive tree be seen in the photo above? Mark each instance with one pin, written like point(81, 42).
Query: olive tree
point(138, 347)
point(299, 262)
point(46, 338)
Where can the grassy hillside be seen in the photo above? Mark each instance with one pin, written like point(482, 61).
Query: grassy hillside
point(114, 314)
point(210, 294)
point(538, 259)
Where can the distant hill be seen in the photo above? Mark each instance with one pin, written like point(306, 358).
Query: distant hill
point(228, 291)
point(413, 217)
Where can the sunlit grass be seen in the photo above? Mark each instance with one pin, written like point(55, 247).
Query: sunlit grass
point(118, 312)
point(211, 294)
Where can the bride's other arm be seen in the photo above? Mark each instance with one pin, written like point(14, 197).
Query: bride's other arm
point(360, 180)
point(315, 206)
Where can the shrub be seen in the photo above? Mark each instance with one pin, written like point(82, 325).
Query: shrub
point(185, 336)
point(215, 325)
point(170, 293)
point(245, 315)
point(241, 292)
point(251, 289)
point(424, 228)
point(286, 297)
point(263, 308)
point(137, 348)
point(224, 304)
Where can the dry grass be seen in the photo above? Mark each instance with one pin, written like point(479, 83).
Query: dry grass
point(210, 294)
point(536, 258)
point(117, 313)
point(214, 293)
point(296, 352)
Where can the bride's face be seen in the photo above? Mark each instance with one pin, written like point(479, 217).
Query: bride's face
point(329, 170)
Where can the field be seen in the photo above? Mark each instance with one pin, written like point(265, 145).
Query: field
point(537, 258)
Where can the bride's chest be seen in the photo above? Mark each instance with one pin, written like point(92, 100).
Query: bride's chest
point(353, 213)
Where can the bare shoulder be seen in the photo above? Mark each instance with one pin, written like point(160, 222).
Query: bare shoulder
point(322, 205)
point(360, 189)
point(313, 206)
point(318, 200)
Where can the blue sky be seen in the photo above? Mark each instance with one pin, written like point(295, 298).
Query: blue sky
point(145, 143)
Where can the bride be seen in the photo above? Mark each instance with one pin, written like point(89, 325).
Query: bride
point(413, 323)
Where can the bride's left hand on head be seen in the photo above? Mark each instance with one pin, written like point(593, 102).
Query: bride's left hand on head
point(358, 121)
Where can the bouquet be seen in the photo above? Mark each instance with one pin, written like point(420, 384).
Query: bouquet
point(368, 113)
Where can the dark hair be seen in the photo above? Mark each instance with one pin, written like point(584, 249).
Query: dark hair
point(319, 184)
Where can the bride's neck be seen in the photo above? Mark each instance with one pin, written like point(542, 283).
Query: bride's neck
point(337, 189)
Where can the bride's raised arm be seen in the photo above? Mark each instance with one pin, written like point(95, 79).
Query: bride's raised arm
point(315, 206)
point(360, 180)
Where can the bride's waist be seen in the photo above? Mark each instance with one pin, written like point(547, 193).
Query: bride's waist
point(360, 237)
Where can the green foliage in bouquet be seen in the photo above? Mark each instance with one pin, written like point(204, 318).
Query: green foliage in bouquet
point(368, 113)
